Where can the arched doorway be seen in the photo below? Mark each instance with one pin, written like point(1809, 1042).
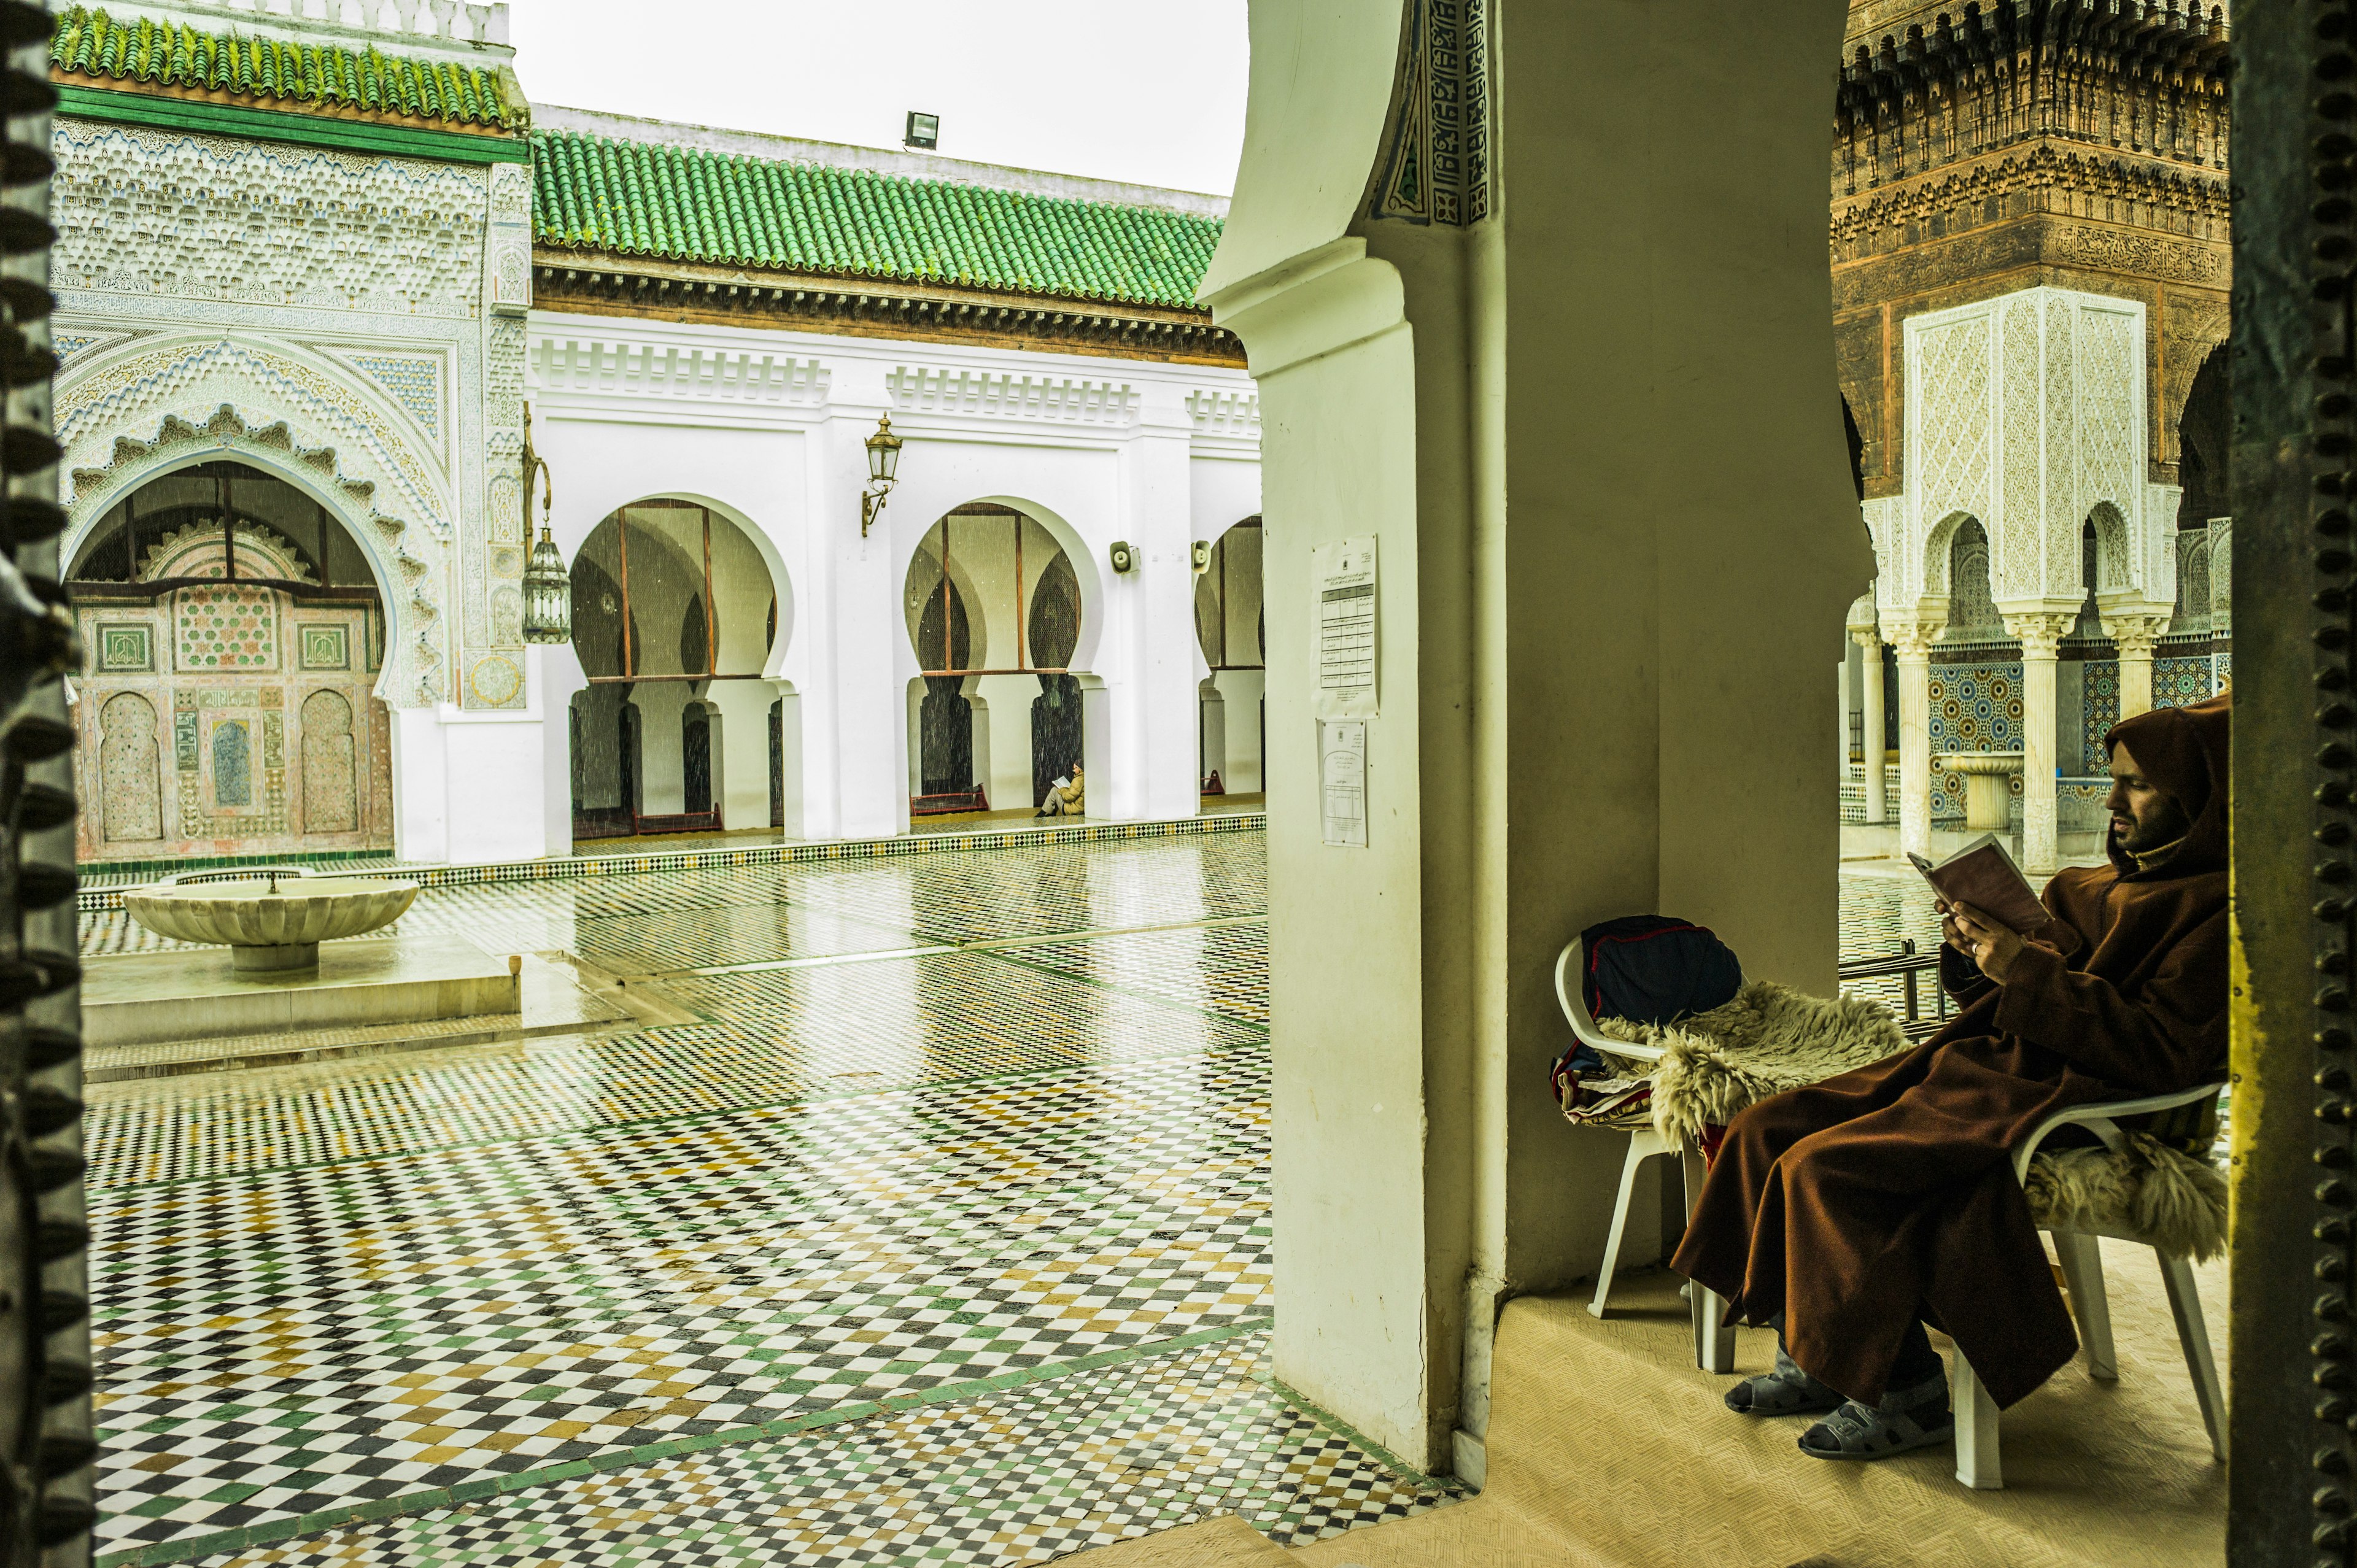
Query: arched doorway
point(673, 605)
point(994, 613)
point(1231, 727)
point(2196, 658)
point(232, 635)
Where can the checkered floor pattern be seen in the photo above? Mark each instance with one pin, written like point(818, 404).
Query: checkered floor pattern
point(937, 1233)
point(1021, 1477)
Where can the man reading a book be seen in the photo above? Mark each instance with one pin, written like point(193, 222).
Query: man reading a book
point(1850, 1213)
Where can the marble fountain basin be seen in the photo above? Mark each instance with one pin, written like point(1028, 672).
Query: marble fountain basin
point(271, 923)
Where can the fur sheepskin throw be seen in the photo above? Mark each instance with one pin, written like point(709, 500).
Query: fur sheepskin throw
point(2160, 1196)
point(1772, 1038)
point(1769, 1039)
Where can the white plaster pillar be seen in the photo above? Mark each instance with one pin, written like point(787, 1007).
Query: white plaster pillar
point(979, 706)
point(2040, 633)
point(1843, 701)
point(1152, 703)
point(791, 770)
point(740, 761)
point(421, 796)
point(1877, 804)
point(867, 760)
point(472, 784)
point(2132, 637)
point(1455, 393)
point(1239, 691)
point(554, 674)
point(1913, 645)
point(662, 773)
point(1214, 722)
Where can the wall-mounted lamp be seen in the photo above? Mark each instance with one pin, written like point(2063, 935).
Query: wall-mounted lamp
point(924, 132)
point(547, 585)
point(1202, 556)
point(883, 464)
point(1124, 559)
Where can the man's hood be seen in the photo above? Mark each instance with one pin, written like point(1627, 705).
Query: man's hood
point(2184, 752)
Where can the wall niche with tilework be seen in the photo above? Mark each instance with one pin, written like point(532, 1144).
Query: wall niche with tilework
point(233, 637)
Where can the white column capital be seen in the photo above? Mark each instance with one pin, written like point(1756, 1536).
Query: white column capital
point(2134, 633)
point(1867, 637)
point(2040, 631)
point(1912, 639)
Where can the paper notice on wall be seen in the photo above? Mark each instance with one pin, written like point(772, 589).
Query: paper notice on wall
point(1343, 573)
point(1342, 781)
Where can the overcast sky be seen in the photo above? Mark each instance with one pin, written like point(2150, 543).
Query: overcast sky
point(1113, 89)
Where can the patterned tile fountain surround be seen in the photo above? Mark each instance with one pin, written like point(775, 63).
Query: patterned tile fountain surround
point(1976, 706)
point(940, 1234)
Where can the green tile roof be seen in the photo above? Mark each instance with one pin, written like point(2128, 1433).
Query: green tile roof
point(305, 78)
point(687, 204)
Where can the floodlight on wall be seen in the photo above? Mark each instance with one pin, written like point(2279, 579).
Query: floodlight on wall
point(1123, 558)
point(547, 585)
point(883, 466)
point(924, 130)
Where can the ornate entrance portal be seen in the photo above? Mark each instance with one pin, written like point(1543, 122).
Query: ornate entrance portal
point(231, 635)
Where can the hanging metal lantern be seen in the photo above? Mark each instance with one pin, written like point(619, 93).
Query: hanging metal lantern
point(547, 595)
point(547, 585)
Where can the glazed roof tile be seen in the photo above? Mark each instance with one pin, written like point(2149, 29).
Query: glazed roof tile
point(692, 204)
point(276, 74)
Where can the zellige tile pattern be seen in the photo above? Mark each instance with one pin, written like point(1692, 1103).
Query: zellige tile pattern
point(888, 1257)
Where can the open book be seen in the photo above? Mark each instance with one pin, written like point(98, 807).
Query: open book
point(1984, 876)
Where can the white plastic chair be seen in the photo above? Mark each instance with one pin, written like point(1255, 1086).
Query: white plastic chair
point(1714, 1346)
point(1977, 1464)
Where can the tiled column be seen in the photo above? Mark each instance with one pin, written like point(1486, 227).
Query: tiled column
point(1877, 804)
point(1913, 644)
point(2040, 634)
point(2132, 636)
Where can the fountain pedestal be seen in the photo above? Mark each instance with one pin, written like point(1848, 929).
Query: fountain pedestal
point(146, 998)
point(275, 977)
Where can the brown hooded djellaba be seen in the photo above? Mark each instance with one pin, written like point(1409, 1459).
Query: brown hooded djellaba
point(1857, 1204)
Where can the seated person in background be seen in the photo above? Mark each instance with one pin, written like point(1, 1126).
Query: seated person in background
point(1850, 1213)
point(1064, 797)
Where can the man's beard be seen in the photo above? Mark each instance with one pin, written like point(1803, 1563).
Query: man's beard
point(2139, 839)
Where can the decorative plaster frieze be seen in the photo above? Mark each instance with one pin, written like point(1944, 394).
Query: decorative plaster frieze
point(663, 370)
point(413, 381)
point(127, 397)
point(1233, 413)
point(143, 212)
point(1011, 395)
point(414, 654)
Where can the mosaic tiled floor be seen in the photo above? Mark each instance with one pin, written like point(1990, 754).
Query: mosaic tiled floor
point(938, 1233)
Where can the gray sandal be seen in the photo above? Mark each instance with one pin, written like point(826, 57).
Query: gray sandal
point(1787, 1390)
point(1906, 1419)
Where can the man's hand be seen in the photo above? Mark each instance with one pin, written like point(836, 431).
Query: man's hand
point(1993, 946)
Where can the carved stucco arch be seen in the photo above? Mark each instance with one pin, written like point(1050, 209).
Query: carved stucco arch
point(152, 407)
point(1939, 543)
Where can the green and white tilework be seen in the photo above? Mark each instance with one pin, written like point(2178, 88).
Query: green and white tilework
point(935, 1231)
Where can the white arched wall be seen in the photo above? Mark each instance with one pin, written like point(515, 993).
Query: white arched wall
point(1223, 492)
point(1571, 634)
point(1231, 699)
point(1136, 656)
point(752, 477)
point(795, 464)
